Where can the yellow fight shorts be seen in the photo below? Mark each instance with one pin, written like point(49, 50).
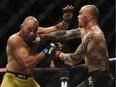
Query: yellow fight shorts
point(18, 80)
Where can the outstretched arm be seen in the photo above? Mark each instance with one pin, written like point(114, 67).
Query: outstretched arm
point(62, 35)
point(63, 25)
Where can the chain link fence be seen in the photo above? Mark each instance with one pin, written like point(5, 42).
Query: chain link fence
point(63, 77)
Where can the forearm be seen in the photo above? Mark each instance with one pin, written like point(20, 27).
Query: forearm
point(62, 25)
point(31, 61)
point(62, 35)
point(67, 17)
point(55, 36)
point(80, 51)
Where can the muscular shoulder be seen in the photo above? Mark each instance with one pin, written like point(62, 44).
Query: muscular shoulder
point(97, 35)
point(14, 40)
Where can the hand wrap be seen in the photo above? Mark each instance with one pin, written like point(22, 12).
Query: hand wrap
point(69, 12)
point(51, 50)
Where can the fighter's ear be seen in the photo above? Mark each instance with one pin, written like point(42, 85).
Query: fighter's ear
point(88, 16)
point(21, 26)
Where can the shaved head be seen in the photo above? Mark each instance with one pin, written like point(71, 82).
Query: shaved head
point(92, 10)
point(30, 20)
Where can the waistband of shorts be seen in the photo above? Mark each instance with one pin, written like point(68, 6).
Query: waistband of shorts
point(20, 75)
point(98, 71)
point(104, 72)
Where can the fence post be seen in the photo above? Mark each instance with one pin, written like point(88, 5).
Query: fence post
point(64, 78)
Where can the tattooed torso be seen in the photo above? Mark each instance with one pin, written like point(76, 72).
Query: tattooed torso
point(97, 58)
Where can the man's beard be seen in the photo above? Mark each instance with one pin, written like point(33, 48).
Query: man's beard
point(28, 39)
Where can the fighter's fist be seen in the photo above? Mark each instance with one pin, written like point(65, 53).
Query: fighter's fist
point(38, 38)
point(68, 13)
point(67, 58)
point(52, 50)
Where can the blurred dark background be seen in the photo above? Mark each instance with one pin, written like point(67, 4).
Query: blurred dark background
point(49, 12)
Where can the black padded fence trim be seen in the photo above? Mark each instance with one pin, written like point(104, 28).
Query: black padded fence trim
point(51, 77)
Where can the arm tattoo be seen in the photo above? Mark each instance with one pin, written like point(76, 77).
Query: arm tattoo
point(57, 36)
point(63, 35)
point(82, 49)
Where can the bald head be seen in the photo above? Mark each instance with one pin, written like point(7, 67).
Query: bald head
point(30, 20)
point(30, 23)
point(92, 10)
